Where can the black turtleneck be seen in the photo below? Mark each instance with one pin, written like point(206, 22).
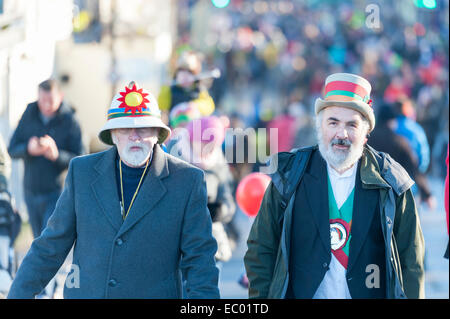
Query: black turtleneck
point(130, 179)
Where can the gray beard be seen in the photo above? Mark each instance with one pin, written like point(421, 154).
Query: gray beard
point(340, 160)
point(135, 159)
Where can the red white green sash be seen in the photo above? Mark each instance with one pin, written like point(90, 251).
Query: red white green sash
point(340, 226)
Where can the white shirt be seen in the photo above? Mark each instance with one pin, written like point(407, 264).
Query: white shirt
point(334, 283)
point(342, 185)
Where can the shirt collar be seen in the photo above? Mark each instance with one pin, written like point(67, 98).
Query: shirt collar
point(348, 173)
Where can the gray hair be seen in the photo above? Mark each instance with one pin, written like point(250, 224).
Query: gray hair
point(318, 121)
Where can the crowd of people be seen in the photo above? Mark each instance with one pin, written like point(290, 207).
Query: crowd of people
point(274, 57)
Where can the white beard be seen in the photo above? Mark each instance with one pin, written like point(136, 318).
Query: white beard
point(340, 160)
point(135, 158)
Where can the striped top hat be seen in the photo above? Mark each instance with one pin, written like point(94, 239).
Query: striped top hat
point(133, 107)
point(350, 91)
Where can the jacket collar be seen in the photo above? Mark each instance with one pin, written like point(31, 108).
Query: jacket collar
point(315, 186)
point(391, 175)
point(364, 211)
point(370, 171)
point(63, 108)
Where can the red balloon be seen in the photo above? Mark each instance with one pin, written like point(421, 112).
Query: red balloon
point(250, 192)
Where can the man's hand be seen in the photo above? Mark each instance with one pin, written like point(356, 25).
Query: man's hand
point(34, 147)
point(51, 150)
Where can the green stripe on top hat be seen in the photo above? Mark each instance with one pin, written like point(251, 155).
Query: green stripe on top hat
point(345, 93)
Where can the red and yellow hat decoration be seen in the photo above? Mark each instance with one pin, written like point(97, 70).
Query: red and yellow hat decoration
point(133, 103)
point(133, 107)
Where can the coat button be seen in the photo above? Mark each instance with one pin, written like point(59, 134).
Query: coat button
point(112, 283)
point(325, 265)
point(119, 241)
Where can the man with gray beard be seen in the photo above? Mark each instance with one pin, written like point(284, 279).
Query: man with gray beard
point(338, 220)
point(136, 216)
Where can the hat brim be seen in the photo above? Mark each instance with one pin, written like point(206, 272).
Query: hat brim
point(133, 122)
point(359, 106)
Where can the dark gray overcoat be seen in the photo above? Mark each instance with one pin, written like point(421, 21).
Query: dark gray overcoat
point(168, 229)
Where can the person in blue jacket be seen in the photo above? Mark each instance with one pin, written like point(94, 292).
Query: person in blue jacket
point(413, 132)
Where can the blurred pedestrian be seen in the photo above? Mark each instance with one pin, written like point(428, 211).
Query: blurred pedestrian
point(186, 86)
point(305, 130)
point(384, 139)
point(178, 144)
point(134, 225)
point(207, 154)
point(5, 166)
point(303, 245)
point(47, 137)
point(286, 128)
point(5, 212)
point(413, 132)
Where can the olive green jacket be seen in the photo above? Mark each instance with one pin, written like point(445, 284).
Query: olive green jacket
point(267, 260)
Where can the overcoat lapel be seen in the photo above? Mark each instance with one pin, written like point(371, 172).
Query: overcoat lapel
point(315, 184)
point(364, 208)
point(104, 188)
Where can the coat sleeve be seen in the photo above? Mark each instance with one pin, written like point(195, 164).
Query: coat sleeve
point(410, 246)
point(198, 246)
point(74, 145)
point(48, 251)
point(226, 206)
point(263, 243)
point(19, 141)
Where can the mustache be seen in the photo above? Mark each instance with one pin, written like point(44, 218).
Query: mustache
point(134, 144)
point(340, 142)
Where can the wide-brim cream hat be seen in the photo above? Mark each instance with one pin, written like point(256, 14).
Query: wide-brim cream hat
point(133, 108)
point(350, 91)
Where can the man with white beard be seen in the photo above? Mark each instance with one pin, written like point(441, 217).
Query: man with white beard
point(136, 216)
point(338, 220)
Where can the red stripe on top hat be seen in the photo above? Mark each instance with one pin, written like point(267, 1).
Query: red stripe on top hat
point(346, 86)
